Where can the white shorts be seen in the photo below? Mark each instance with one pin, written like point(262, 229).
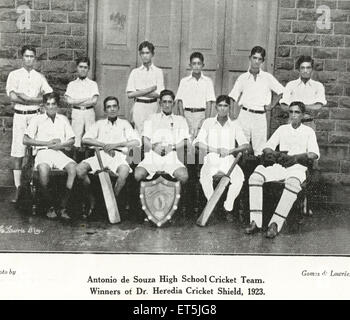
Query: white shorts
point(140, 113)
point(214, 164)
point(112, 163)
point(153, 162)
point(56, 159)
point(279, 173)
point(82, 120)
point(20, 124)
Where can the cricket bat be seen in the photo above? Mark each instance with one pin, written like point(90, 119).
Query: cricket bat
point(108, 192)
point(219, 190)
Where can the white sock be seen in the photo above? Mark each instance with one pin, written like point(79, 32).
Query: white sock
point(17, 177)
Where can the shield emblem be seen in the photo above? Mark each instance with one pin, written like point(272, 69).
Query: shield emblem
point(159, 199)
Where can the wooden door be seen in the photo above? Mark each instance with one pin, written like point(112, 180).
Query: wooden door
point(203, 30)
point(248, 23)
point(116, 48)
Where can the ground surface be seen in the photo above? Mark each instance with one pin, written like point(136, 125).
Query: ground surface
point(326, 232)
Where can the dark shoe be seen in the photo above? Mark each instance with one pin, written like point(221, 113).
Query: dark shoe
point(271, 231)
point(253, 228)
point(88, 212)
point(229, 217)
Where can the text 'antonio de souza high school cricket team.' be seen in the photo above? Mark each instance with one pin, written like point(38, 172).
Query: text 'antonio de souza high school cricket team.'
point(164, 122)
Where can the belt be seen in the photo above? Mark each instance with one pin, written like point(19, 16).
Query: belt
point(83, 108)
point(253, 111)
point(26, 112)
point(146, 100)
point(195, 109)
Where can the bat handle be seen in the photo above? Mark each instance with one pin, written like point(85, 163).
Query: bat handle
point(98, 154)
point(234, 164)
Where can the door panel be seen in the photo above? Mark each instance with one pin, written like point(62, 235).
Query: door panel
point(203, 30)
point(117, 22)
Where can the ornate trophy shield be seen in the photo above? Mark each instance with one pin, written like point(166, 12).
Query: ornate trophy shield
point(159, 199)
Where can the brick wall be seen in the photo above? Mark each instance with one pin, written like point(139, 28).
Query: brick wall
point(58, 28)
point(299, 33)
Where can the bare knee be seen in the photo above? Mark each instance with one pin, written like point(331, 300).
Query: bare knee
point(123, 172)
point(71, 169)
point(82, 170)
point(181, 175)
point(44, 173)
point(140, 174)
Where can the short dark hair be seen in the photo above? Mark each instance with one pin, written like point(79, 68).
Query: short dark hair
point(303, 59)
point(51, 95)
point(109, 98)
point(223, 97)
point(146, 44)
point(258, 49)
point(166, 92)
point(28, 47)
point(83, 59)
point(198, 55)
point(300, 104)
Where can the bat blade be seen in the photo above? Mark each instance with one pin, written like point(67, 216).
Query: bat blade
point(109, 197)
point(212, 202)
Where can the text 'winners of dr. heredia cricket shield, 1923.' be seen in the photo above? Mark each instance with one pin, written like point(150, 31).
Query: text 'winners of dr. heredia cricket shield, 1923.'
point(177, 285)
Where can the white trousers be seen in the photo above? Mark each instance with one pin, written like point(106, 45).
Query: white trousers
point(140, 112)
point(82, 120)
point(214, 164)
point(254, 126)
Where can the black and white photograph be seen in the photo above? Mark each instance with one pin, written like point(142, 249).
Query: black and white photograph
point(176, 129)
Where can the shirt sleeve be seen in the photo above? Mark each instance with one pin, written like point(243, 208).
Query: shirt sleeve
point(237, 89)
point(69, 90)
point(45, 87)
point(147, 129)
point(32, 128)
point(286, 98)
point(180, 91)
point(320, 95)
point(68, 130)
point(11, 83)
point(130, 133)
point(210, 91)
point(312, 145)
point(94, 89)
point(274, 141)
point(184, 132)
point(92, 133)
point(160, 81)
point(130, 87)
point(240, 137)
point(275, 86)
point(202, 134)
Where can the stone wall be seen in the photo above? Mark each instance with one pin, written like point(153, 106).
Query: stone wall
point(302, 30)
point(58, 29)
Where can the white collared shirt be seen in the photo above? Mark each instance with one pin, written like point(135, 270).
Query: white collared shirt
point(42, 128)
point(295, 141)
point(195, 93)
point(31, 83)
point(214, 135)
point(255, 94)
point(167, 129)
point(140, 78)
point(104, 131)
point(310, 92)
point(81, 89)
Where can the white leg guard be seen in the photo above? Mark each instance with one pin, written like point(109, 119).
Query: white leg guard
point(206, 181)
point(256, 182)
point(17, 177)
point(289, 195)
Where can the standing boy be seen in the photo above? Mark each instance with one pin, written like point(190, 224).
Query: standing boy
point(252, 93)
point(82, 94)
point(144, 85)
point(25, 87)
